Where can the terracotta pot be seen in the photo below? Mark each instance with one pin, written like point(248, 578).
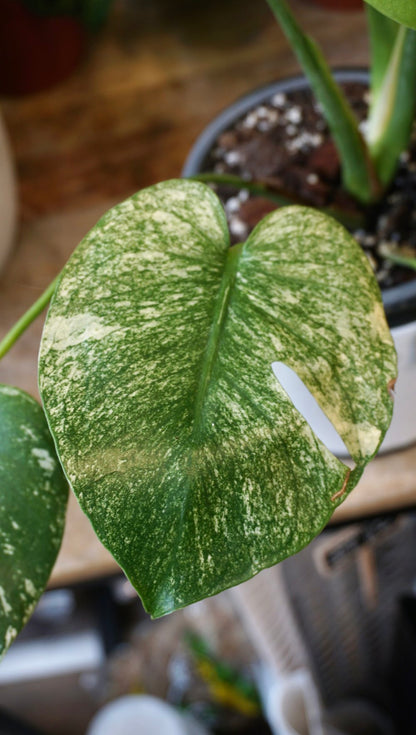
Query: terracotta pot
point(36, 52)
point(399, 301)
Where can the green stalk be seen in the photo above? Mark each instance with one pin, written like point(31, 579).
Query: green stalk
point(26, 320)
point(401, 260)
point(358, 173)
point(352, 220)
point(254, 187)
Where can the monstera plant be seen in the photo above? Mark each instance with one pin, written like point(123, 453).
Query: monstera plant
point(189, 458)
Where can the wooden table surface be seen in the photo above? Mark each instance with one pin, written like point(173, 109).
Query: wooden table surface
point(150, 82)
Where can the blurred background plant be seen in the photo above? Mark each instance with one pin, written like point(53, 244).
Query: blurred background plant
point(92, 13)
point(41, 42)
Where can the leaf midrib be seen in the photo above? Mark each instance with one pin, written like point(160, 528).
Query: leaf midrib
point(218, 322)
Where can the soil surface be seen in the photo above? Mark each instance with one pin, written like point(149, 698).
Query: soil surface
point(285, 143)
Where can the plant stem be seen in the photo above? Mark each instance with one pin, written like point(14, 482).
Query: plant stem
point(358, 173)
point(26, 320)
point(254, 187)
point(401, 260)
point(351, 220)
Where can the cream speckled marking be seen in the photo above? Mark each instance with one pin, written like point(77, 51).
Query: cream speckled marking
point(7, 608)
point(30, 588)
point(9, 637)
point(45, 459)
point(7, 390)
point(28, 431)
point(183, 449)
point(67, 332)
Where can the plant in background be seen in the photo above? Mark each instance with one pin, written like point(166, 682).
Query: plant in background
point(367, 163)
point(368, 154)
point(189, 458)
point(42, 41)
point(226, 686)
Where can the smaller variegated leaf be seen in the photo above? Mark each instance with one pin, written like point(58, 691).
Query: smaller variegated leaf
point(192, 463)
point(33, 497)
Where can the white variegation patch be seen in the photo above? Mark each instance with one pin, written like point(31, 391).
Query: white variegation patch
point(65, 332)
point(45, 459)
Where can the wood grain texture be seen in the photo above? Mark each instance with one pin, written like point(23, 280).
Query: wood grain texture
point(149, 84)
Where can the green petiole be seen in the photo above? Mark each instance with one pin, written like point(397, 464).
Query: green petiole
point(351, 220)
point(26, 320)
point(401, 260)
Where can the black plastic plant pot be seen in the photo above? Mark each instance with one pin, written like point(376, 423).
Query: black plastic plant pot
point(399, 301)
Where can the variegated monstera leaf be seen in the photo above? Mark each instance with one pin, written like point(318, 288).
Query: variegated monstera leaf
point(402, 11)
point(33, 496)
point(183, 449)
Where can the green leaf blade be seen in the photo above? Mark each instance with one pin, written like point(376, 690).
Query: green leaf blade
point(383, 33)
point(189, 458)
point(393, 107)
point(330, 324)
point(33, 500)
point(402, 11)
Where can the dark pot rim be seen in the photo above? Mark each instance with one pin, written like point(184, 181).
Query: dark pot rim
point(399, 301)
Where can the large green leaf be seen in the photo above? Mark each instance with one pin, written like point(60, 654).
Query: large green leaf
point(189, 458)
point(33, 496)
point(402, 11)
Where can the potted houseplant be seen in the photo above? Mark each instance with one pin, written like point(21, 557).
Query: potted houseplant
point(271, 143)
point(160, 407)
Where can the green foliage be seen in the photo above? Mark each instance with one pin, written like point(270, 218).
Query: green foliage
point(33, 496)
point(382, 35)
point(183, 449)
point(402, 11)
point(91, 12)
point(190, 460)
point(358, 175)
point(368, 165)
point(393, 99)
